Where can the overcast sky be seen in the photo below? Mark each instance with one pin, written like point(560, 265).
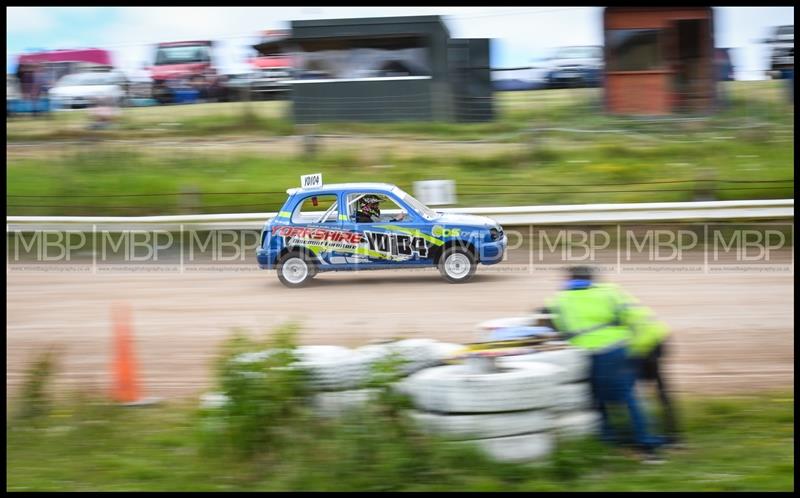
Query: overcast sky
point(520, 34)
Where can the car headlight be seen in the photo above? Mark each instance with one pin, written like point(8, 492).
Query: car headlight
point(495, 233)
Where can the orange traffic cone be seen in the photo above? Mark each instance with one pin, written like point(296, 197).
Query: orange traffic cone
point(126, 387)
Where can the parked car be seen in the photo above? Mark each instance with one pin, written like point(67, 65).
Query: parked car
point(320, 229)
point(256, 83)
point(180, 66)
point(782, 53)
point(271, 75)
point(13, 95)
point(574, 67)
point(81, 90)
point(514, 85)
point(515, 80)
point(140, 87)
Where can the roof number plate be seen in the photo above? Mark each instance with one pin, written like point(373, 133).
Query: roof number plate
point(311, 181)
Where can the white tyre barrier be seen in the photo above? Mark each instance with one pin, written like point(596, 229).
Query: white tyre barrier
point(577, 424)
point(444, 351)
point(213, 400)
point(416, 354)
point(253, 356)
point(574, 397)
point(455, 389)
point(518, 449)
point(322, 353)
point(335, 404)
point(333, 368)
point(482, 426)
point(575, 361)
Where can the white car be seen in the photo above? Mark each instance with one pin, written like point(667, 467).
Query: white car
point(782, 53)
point(12, 88)
point(85, 89)
point(572, 66)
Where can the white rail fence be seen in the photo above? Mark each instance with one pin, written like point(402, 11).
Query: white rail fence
point(507, 216)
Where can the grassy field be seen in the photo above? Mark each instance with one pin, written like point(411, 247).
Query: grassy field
point(267, 438)
point(563, 151)
point(756, 101)
point(128, 181)
point(734, 444)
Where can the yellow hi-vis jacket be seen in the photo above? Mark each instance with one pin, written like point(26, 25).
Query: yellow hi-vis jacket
point(602, 317)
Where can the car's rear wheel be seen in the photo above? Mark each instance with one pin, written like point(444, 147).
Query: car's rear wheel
point(295, 269)
point(457, 265)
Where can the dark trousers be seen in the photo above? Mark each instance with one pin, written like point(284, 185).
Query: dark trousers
point(649, 370)
point(612, 379)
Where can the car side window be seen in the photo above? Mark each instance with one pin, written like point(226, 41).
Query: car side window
point(317, 209)
point(368, 207)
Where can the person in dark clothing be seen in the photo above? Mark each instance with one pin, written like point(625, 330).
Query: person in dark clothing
point(369, 210)
point(595, 317)
point(649, 369)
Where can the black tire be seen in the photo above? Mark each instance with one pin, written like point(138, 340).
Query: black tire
point(291, 271)
point(457, 265)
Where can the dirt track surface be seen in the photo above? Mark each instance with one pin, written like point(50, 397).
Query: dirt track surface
point(731, 332)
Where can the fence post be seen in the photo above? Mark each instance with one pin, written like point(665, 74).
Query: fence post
point(190, 199)
point(310, 141)
point(705, 185)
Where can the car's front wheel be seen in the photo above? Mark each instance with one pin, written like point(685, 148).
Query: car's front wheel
point(457, 265)
point(295, 270)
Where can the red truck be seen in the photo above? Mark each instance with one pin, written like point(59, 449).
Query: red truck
point(185, 68)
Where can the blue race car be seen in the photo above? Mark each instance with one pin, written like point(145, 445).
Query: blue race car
point(365, 226)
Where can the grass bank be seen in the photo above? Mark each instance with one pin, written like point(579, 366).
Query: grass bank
point(115, 180)
point(757, 102)
point(267, 439)
point(553, 147)
point(735, 444)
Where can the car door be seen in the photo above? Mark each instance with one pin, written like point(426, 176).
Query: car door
point(389, 242)
point(317, 226)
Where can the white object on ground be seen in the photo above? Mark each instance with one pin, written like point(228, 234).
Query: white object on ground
point(574, 360)
point(335, 404)
point(486, 425)
point(333, 368)
point(213, 400)
point(516, 386)
point(574, 397)
point(512, 321)
point(416, 354)
point(518, 449)
point(577, 424)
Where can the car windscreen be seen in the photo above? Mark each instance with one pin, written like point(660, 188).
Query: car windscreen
point(422, 209)
point(181, 55)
